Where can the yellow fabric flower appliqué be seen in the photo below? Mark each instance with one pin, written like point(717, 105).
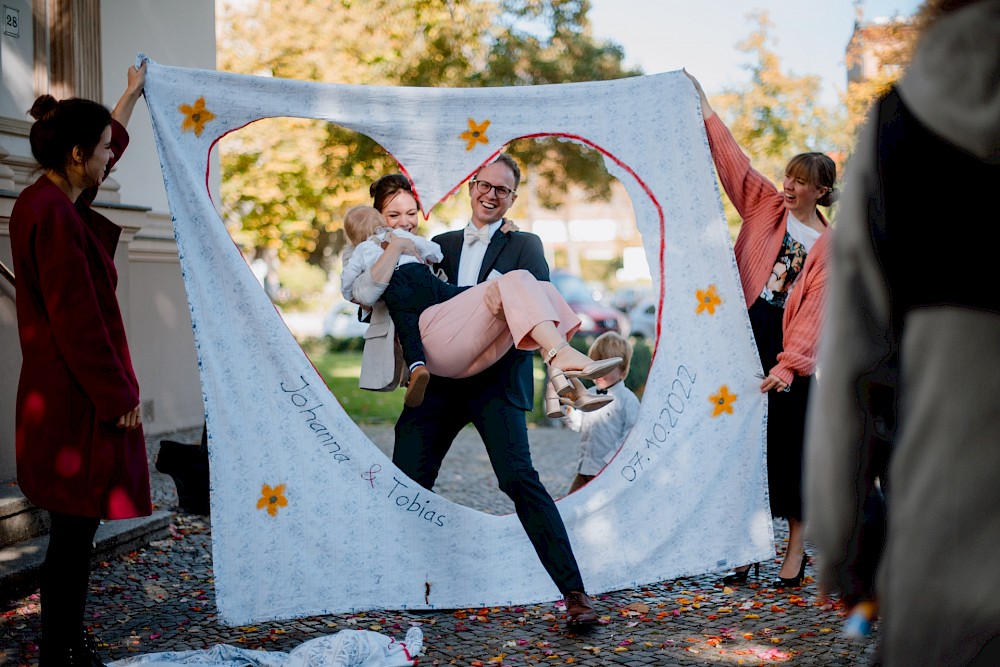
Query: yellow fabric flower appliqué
point(272, 499)
point(476, 134)
point(722, 402)
point(708, 299)
point(195, 117)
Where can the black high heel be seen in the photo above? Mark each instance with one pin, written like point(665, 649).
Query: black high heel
point(792, 582)
point(739, 576)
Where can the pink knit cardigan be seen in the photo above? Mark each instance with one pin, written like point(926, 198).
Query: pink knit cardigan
point(761, 205)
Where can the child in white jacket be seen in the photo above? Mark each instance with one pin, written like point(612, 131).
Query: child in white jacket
point(366, 230)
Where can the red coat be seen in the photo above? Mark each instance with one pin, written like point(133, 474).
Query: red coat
point(76, 376)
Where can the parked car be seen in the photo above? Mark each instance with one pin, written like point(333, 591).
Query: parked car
point(643, 317)
point(627, 298)
point(595, 319)
point(342, 322)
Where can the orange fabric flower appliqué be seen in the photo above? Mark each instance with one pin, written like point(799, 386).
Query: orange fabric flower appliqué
point(722, 402)
point(708, 299)
point(476, 134)
point(272, 499)
point(195, 117)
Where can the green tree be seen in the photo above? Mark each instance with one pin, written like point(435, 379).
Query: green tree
point(776, 114)
point(287, 182)
point(552, 42)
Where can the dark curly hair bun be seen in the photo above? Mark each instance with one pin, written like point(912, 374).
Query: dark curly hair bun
point(43, 106)
point(60, 126)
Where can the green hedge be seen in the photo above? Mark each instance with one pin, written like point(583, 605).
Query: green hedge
point(355, 344)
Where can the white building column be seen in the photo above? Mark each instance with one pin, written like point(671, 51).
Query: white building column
point(6, 173)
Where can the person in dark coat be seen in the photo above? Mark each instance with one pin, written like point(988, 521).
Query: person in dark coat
point(906, 345)
point(81, 453)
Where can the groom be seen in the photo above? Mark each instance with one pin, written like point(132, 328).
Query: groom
point(495, 400)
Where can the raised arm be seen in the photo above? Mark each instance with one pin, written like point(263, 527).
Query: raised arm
point(706, 108)
point(745, 186)
point(136, 81)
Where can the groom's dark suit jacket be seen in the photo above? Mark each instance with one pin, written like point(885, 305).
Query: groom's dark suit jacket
point(506, 252)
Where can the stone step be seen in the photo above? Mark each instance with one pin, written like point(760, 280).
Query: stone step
point(20, 563)
point(19, 519)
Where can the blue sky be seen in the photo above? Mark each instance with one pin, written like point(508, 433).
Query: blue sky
point(701, 35)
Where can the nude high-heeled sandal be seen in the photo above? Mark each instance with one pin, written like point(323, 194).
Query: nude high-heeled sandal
point(581, 399)
point(553, 406)
point(577, 397)
point(595, 369)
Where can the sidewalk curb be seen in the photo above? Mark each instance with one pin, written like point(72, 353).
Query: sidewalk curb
point(21, 563)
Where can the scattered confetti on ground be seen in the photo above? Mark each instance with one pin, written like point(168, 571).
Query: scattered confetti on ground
point(161, 598)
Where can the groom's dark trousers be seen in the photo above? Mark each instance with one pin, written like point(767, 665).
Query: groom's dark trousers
point(495, 402)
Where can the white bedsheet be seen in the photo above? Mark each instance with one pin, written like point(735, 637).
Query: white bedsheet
point(309, 517)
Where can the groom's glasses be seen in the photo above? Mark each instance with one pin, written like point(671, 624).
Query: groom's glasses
point(484, 187)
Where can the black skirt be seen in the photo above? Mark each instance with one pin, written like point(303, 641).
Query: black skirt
point(786, 416)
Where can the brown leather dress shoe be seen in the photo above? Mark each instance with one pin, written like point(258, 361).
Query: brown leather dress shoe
point(419, 377)
point(579, 610)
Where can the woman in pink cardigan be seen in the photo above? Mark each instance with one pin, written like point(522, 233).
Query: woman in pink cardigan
point(782, 252)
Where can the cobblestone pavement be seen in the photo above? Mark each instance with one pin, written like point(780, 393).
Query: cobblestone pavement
point(161, 598)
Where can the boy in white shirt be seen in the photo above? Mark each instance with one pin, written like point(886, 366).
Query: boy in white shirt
point(603, 431)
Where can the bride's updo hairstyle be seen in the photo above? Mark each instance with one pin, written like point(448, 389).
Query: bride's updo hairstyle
point(61, 126)
point(386, 188)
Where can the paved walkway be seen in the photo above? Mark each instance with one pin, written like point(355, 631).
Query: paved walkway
point(161, 598)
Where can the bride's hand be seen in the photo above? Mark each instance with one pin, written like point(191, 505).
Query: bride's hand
point(403, 245)
point(493, 302)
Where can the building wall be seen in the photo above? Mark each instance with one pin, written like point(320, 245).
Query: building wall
point(150, 290)
point(878, 49)
point(179, 33)
point(16, 58)
point(10, 353)
point(587, 230)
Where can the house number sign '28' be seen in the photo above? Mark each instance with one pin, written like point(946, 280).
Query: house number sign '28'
point(11, 22)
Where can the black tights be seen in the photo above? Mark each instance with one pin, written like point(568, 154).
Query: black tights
point(65, 578)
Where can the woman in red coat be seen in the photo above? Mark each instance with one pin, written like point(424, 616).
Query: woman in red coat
point(81, 454)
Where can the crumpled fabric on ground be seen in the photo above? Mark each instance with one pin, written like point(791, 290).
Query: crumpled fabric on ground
point(347, 648)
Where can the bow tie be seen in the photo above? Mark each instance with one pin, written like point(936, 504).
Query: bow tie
point(602, 392)
point(472, 235)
